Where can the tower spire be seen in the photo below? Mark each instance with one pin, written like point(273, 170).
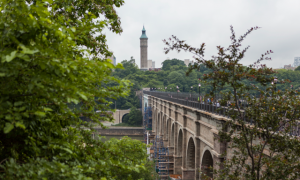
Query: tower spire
point(144, 33)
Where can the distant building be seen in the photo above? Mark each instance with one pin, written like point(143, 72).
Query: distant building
point(187, 62)
point(115, 61)
point(296, 61)
point(155, 69)
point(149, 65)
point(153, 64)
point(289, 67)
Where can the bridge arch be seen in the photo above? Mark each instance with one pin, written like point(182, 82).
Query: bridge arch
point(124, 115)
point(190, 160)
point(180, 142)
point(207, 162)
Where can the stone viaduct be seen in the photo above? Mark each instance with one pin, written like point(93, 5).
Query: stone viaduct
point(190, 134)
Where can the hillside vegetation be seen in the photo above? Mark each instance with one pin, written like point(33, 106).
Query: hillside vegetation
point(173, 74)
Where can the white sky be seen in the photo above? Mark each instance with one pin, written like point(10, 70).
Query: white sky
point(208, 21)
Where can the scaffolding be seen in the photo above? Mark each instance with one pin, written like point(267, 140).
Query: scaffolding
point(147, 121)
point(161, 156)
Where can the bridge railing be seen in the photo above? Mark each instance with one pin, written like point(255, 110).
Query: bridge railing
point(195, 101)
point(192, 100)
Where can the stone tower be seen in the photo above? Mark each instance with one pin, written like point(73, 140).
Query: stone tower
point(144, 50)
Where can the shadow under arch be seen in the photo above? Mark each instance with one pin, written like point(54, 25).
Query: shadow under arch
point(190, 160)
point(179, 144)
point(172, 135)
point(167, 128)
point(123, 118)
point(162, 123)
point(207, 164)
point(158, 123)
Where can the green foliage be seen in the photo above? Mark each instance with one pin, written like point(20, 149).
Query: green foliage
point(297, 68)
point(129, 101)
point(175, 75)
point(258, 136)
point(173, 64)
point(134, 118)
point(129, 72)
point(172, 76)
point(129, 68)
point(124, 159)
point(49, 64)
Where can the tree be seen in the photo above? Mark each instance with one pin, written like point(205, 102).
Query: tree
point(131, 150)
point(129, 68)
point(127, 102)
point(135, 117)
point(297, 68)
point(167, 64)
point(50, 63)
point(259, 135)
point(154, 84)
point(175, 77)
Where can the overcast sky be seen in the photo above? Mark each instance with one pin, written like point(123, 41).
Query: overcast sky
point(208, 21)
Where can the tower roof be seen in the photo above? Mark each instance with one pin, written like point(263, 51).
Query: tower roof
point(143, 36)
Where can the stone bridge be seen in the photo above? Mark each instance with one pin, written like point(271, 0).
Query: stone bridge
point(190, 134)
point(118, 117)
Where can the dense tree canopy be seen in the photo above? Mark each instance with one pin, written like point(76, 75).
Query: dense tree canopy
point(173, 74)
point(167, 65)
point(52, 58)
point(134, 118)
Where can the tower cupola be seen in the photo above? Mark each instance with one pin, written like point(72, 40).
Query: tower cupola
point(143, 36)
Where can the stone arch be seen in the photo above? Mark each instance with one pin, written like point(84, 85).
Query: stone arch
point(124, 117)
point(172, 139)
point(180, 142)
point(207, 162)
point(191, 155)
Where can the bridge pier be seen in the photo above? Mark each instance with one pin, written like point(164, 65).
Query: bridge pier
point(220, 148)
point(177, 164)
point(171, 150)
point(188, 174)
point(197, 159)
point(165, 142)
point(185, 172)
